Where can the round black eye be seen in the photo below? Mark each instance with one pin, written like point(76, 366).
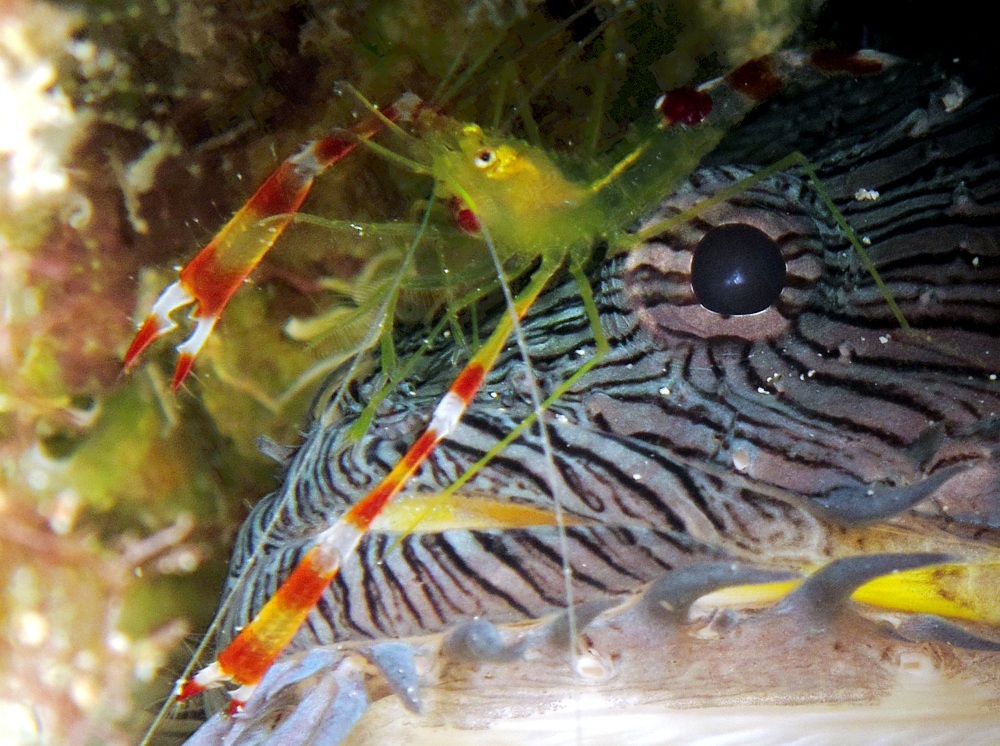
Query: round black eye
point(737, 270)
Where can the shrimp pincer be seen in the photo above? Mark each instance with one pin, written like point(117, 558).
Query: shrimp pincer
point(217, 271)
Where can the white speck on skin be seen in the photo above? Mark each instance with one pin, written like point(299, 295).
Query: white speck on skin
point(953, 100)
point(866, 195)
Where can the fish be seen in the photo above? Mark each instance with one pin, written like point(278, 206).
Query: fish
point(774, 527)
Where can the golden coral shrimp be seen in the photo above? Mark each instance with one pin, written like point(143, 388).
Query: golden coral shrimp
point(458, 155)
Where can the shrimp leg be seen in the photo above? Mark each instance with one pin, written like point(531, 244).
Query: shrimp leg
point(247, 658)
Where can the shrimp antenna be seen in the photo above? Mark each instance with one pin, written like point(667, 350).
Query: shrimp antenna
point(443, 96)
point(555, 482)
point(547, 76)
point(389, 124)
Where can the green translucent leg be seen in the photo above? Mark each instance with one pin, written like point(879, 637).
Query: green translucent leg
point(381, 315)
point(807, 167)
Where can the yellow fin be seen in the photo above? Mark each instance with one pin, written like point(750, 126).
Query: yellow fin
point(429, 513)
point(957, 591)
point(757, 594)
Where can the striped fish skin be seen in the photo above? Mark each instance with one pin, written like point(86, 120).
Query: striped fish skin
point(699, 437)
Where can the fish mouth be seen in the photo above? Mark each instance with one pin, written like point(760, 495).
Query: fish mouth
point(651, 669)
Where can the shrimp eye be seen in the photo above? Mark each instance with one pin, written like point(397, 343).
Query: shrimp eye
point(737, 270)
point(484, 158)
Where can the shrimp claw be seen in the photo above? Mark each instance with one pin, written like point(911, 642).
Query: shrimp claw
point(217, 271)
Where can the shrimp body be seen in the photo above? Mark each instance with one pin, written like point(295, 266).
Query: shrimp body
point(509, 191)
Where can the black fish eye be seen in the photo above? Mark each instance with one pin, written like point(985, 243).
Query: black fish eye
point(737, 270)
